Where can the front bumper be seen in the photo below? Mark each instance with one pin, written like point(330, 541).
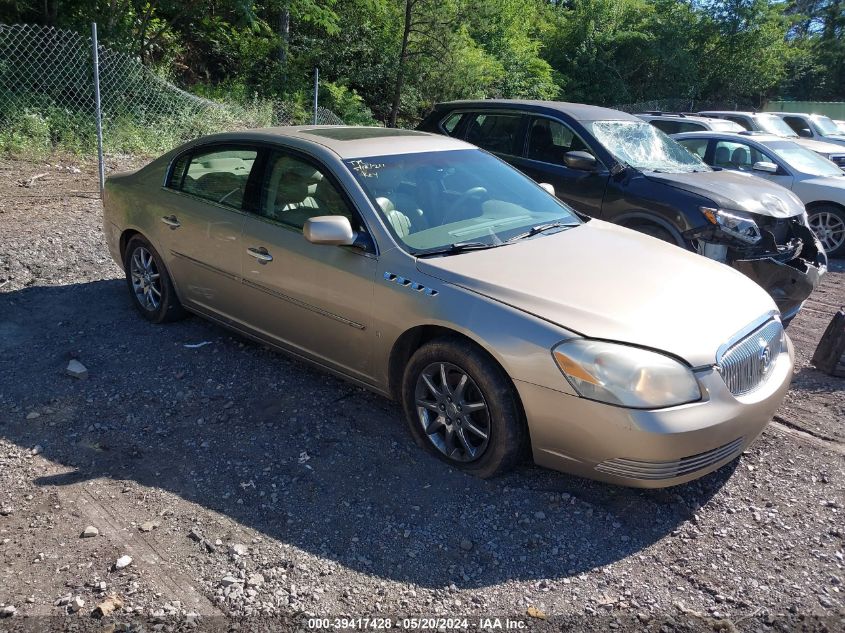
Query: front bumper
point(788, 262)
point(651, 449)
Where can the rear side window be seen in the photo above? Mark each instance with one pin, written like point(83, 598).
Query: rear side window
point(451, 122)
point(697, 146)
point(496, 133)
point(218, 175)
point(741, 120)
point(667, 127)
point(688, 126)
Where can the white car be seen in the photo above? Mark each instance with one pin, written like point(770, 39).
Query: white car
point(771, 123)
point(815, 126)
point(819, 183)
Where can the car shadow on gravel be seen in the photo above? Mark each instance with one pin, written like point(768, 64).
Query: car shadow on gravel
point(298, 455)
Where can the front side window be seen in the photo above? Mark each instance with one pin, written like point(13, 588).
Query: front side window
point(738, 156)
point(432, 200)
point(644, 147)
point(496, 133)
point(294, 190)
point(798, 125)
point(451, 122)
point(549, 140)
point(219, 175)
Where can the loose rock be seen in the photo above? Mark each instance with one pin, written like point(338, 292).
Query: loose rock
point(122, 562)
point(76, 370)
point(90, 532)
point(107, 607)
point(8, 611)
point(75, 604)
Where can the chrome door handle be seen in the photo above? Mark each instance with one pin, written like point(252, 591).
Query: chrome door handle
point(171, 221)
point(260, 254)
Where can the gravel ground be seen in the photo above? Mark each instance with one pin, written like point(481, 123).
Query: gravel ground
point(242, 483)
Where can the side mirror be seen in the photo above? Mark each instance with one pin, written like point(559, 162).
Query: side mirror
point(547, 187)
point(583, 161)
point(332, 230)
point(805, 132)
point(765, 166)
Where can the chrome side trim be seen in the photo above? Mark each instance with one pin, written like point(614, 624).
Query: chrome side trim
point(302, 304)
point(412, 285)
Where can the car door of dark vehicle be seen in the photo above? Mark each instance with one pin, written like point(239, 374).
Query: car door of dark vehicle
point(548, 141)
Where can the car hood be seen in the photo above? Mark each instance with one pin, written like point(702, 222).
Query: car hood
point(820, 147)
point(735, 190)
point(608, 282)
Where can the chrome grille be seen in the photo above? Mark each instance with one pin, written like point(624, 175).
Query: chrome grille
point(746, 364)
point(637, 469)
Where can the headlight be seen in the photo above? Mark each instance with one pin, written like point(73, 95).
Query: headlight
point(625, 376)
point(735, 223)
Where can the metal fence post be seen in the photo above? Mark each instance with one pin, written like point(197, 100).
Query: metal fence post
point(97, 110)
point(316, 91)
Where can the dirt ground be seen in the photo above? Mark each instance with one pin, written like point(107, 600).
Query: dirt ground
point(245, 484)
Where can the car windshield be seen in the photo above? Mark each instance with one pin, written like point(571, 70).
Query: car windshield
point(775, 125)
point(805, 160)
point(467, 197)
point(644, 147)
point(826, 125)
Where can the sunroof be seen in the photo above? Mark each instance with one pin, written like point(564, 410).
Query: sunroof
point(359, 133)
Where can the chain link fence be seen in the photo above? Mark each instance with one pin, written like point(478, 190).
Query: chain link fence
point(47, 96)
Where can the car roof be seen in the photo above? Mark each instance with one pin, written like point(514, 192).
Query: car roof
point(791, 114)
point(349, 141)
point(578, 111)
point(668, 116)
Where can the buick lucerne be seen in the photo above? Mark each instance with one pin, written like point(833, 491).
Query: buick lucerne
point(434, 273)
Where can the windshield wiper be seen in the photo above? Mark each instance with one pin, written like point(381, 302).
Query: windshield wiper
point(457, 247)
point(540, 228)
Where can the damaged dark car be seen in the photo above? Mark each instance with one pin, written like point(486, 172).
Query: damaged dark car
point(611, 165)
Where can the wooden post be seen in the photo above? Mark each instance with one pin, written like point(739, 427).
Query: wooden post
point(829, 356)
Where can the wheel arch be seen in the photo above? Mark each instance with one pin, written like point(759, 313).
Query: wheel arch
point(824, 203)
point(414, 338)
point(633, 219)
point(127, 235)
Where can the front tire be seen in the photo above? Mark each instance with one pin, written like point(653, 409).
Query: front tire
point(462, 408)
point(149, 283)
point(828, 223)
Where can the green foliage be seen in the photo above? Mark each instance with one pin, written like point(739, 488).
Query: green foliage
point(385, 60)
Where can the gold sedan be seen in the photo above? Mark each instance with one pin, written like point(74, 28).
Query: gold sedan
point(433, 273)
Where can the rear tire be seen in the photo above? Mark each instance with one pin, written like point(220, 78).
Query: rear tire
point(828, 223)
point(461, 407)
point(149, 283)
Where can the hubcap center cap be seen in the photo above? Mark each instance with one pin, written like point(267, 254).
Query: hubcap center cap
point(452, 410)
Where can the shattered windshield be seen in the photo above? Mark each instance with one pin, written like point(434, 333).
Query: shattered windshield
point(644, 147)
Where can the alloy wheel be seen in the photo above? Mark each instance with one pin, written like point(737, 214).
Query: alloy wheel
point(146, 279)
point(452, 411)
point(829, 228)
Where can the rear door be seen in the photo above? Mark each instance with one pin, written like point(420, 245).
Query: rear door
point(316, 300)
point(500, 133)
point(548, 141)
point(206, 196)
point(740, 156)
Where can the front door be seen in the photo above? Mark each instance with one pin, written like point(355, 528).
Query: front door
point(740, 156)
point(313, 299)
point(205, 200)
point(548, 141)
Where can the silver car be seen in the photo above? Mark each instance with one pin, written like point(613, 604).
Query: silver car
point(435, 274)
